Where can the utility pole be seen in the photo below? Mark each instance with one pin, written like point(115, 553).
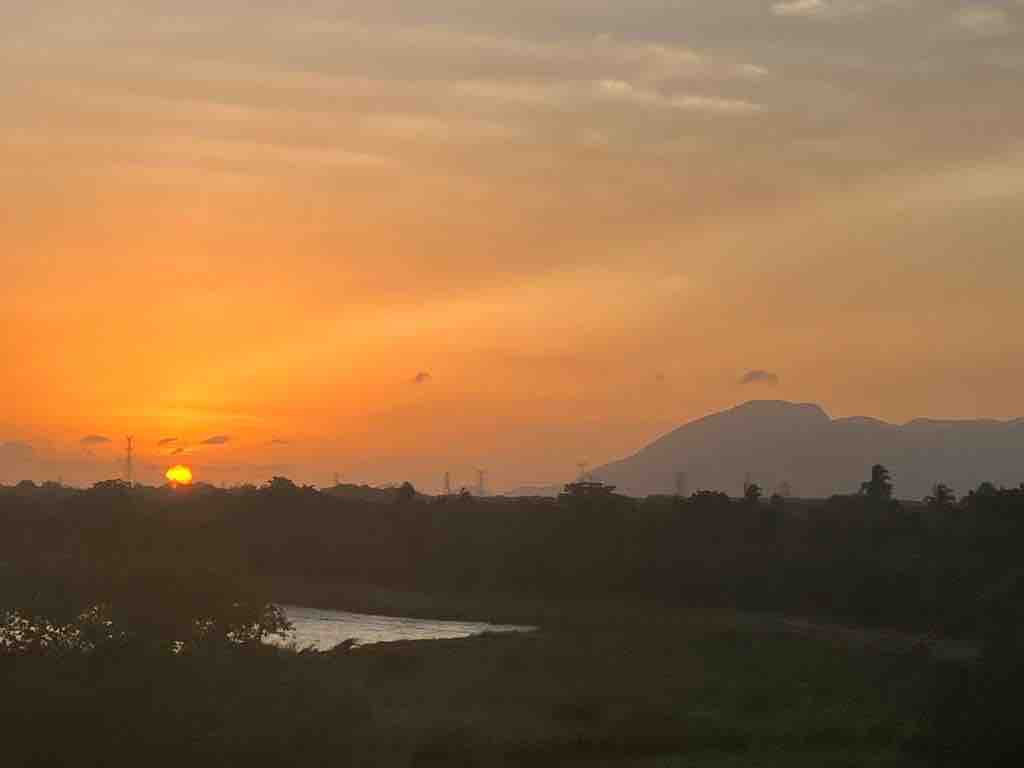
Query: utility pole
point(447, 483)
point(481, 486)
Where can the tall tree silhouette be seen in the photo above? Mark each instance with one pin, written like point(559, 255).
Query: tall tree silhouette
point(879, 487)
point(942, 497)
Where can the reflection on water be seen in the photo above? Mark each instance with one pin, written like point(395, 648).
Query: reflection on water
point(325, 629)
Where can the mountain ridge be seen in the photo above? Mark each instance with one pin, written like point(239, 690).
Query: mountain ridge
point(778, 442)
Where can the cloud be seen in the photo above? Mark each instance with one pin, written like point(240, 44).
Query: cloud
point(217, 440)
point(91, 441)
point(176, 452)
point(758, 376)
point(620, 90)
point(167, 441)
point(419, 127)
point(445, 44)
point(279, 441)
point(17, 452)
point(999, 178)
point(421, 378)
point(246, 154)
point(800, 8)
point(610, 91)
point(983, 20)
point(831, 9)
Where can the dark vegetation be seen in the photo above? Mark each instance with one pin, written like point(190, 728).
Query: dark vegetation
point(133, 621)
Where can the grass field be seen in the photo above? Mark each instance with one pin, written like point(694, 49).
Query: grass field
point(595, 688)
point(615, 696)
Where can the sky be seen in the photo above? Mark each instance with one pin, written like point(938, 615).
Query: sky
point(387, 240)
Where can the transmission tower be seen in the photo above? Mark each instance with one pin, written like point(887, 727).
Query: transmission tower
point(447, 483)
point(681, 483)
point(129, 468)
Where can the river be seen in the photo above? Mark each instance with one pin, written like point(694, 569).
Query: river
point(323, 630)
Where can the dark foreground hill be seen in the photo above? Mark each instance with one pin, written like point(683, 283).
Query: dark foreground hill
point(778, 443)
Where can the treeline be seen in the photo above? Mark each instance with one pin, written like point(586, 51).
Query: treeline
point(114, 567)
point(941, 564)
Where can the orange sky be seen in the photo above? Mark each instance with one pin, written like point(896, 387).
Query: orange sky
point(584, 223)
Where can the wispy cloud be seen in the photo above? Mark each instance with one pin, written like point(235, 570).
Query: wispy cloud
point(250, 154)
point(619, 90)
point(800, 8)
point(759, 376)
point(832, 9)
point(447, 128)
point(167, 441)
point(573, 94)
point(421, 378)
point(568, 57)
point(983, 20)
point(92, 441)
point(16, 451)
point(998, 178)
point(217, 440)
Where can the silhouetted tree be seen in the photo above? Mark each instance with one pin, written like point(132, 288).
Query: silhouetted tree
point(772, 516)
point(879, 487)
point(987, 489)
point(942, 498)
point(280, 485)
point(752, 493)
point(406, 493)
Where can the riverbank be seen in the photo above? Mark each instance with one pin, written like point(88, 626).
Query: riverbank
point(642, 614)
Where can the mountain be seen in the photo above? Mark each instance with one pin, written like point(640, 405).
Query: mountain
point(778, 442)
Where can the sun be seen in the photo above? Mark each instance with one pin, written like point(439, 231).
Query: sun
point(179, 475)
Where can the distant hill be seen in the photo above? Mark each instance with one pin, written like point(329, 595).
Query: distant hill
point(798, 443)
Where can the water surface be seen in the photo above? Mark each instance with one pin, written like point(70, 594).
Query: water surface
point(325, 629)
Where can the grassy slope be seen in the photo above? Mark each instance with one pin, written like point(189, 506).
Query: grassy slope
point(680, 694)
point(592, 690)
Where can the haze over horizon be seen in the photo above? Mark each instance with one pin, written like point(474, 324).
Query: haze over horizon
point(387, 241)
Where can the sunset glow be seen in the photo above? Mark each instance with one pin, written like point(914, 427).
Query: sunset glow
point(376, 234)
point(179, 475)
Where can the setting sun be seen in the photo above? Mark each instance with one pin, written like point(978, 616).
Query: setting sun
point(179, 475)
